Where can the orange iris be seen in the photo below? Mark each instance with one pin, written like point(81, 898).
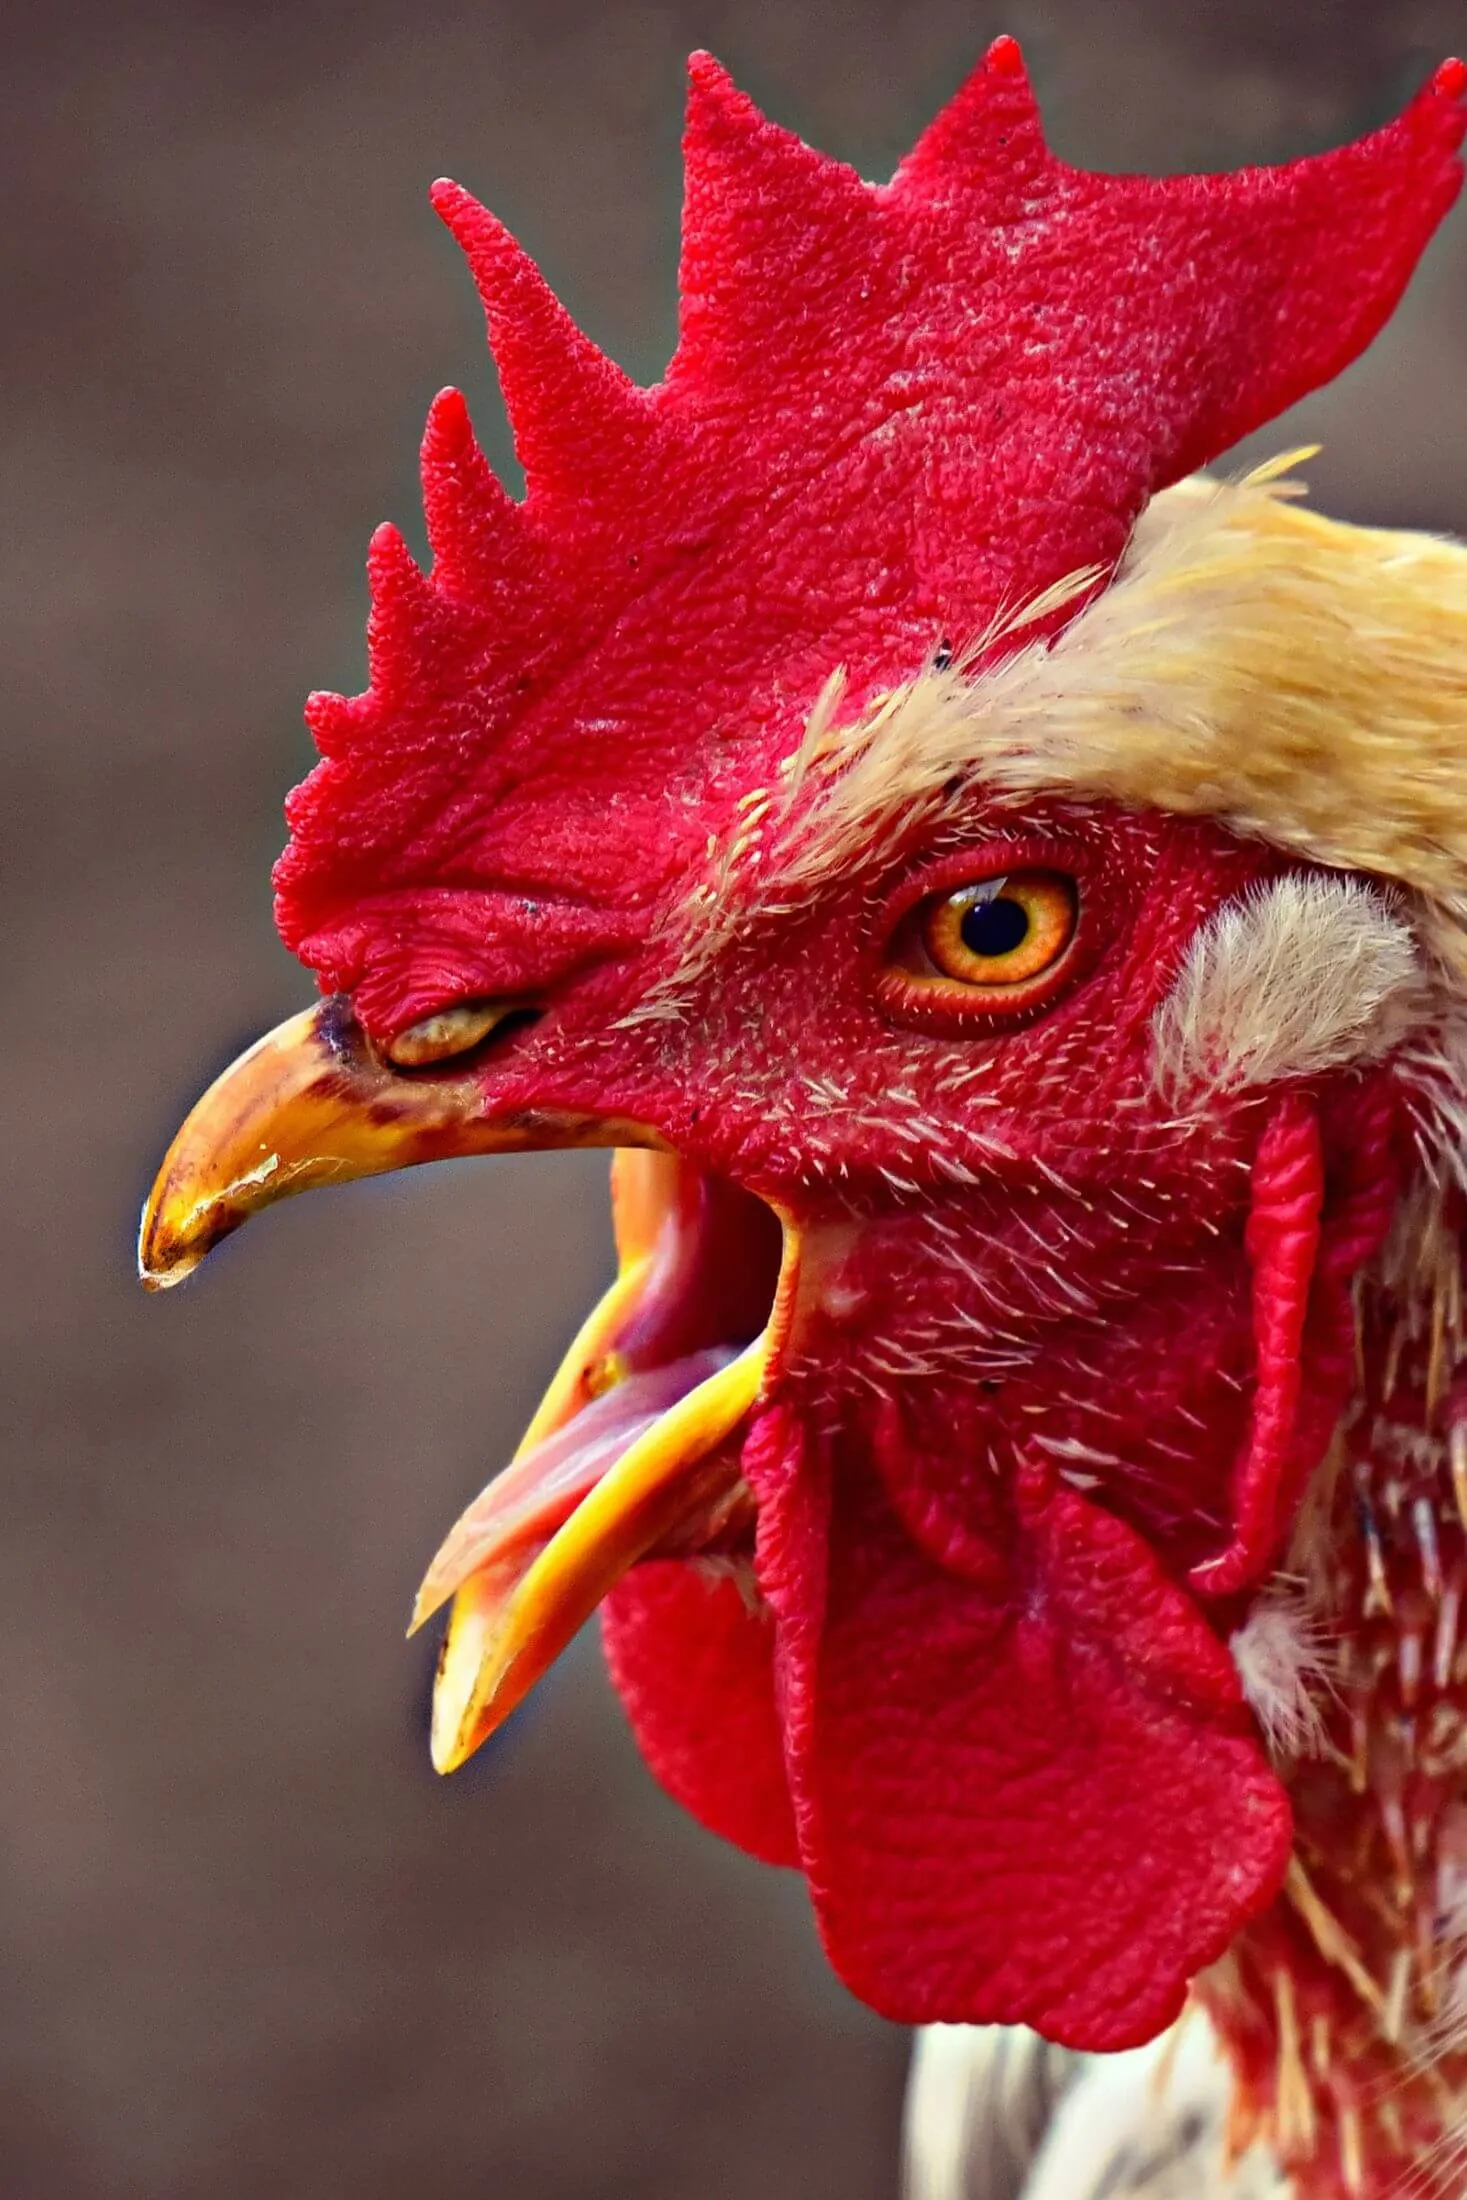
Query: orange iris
point(1001, 932)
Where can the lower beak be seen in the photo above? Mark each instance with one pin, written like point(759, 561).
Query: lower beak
point(518, 1610)
point(312, 1104)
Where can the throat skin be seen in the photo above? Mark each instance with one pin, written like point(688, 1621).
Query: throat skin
point(1097, 1323)
point(1344, 2007)
point(981, 1339)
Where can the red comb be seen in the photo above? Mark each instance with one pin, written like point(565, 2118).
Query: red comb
point(891, 409)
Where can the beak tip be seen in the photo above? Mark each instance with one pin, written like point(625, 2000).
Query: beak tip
point(448, 1747)
point(166, 1256)
point(156, 1272)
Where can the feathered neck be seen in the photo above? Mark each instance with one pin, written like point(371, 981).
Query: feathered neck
point(1345, 2006)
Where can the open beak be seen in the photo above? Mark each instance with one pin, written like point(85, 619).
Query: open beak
point(634, 1450)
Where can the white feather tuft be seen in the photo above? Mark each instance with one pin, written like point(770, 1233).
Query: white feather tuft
point(1285, 1661)
point(995, 2114)
point(1306, 974)
point(1152, 2124)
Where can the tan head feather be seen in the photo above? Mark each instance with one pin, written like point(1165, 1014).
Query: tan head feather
point(1296, 677)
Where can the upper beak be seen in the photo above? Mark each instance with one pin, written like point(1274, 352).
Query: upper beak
point(313, 1103)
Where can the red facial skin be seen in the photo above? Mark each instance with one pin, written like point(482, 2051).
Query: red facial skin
point(988, 1706)
point(1059, 1360)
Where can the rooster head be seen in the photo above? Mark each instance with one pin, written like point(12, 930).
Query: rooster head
point(962, 866)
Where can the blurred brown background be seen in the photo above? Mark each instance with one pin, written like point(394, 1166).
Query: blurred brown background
point(249, 1944)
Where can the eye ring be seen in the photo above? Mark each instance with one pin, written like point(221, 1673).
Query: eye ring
point(989, 948)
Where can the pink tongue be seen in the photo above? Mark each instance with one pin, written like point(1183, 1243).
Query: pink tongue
point(520, 1510)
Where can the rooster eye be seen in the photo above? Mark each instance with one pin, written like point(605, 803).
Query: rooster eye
point(449, 1031)
point(992, 946)
point(1003, 932)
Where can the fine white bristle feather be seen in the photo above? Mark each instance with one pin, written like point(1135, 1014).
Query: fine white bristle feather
point(1285, 1662)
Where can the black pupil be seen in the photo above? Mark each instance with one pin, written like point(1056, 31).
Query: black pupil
point(994, 927)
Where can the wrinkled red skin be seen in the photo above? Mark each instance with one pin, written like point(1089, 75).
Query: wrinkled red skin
point(1059, 1360)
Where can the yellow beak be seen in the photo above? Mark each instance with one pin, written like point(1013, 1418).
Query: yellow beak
point(312, 1104)
point(510, 1621)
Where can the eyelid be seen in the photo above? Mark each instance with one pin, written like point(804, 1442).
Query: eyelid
point(982, 862)
point(447, 1032)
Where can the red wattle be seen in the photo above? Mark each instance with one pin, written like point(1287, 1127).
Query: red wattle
point(1047, 1808)
point(694, 1668)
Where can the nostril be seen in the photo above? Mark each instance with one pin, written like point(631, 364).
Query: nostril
point(452, 1035)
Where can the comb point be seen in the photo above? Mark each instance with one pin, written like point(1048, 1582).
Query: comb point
point(332, 721)
point(409, 625)
point(726, 131)
point(988, 139)
point(475, 528)
point(709, 83)
point(1004, 57)
point(758, 205)
point(581, 427)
